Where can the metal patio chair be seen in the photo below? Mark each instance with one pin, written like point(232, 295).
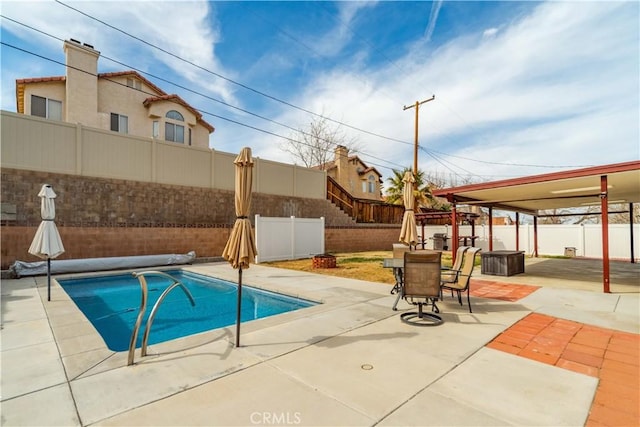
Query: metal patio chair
point(421, 286)
point(462, 279)
point(450, 274)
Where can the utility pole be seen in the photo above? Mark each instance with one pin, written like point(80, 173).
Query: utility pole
point(415, 148)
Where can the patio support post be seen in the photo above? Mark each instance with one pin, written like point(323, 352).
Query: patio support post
point(633, 256)
point(490, 228)
point(535, 236)
point(473, 231)
point(604, 212)
point(454, 232)
point(517, 231)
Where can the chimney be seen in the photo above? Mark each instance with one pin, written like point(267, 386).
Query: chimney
point(81, 83)
point(342, 163)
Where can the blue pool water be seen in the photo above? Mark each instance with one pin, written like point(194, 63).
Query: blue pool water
point(111, 303)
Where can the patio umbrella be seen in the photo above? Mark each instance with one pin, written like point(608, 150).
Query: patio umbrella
point(409, 230)
point(240, 249)
point(47, 243)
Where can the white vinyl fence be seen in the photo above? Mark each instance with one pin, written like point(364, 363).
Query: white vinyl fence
point(552, 239)
point(288, 238)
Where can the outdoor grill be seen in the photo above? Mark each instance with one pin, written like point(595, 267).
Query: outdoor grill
point(440, 241)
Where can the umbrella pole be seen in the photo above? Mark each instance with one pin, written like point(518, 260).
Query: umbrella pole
point(48, 279)
point(239, 307)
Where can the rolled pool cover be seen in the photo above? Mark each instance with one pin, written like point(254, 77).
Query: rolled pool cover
point(21, 268)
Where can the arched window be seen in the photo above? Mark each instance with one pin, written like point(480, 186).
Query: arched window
point(173, 114)
point(173, 131)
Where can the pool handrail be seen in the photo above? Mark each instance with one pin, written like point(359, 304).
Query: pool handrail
point(143, 306)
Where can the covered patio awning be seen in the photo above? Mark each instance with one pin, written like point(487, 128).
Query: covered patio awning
point(579, 188)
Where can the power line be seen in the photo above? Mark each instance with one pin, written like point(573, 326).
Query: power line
point(228, 79)
point(280, 100)
point(462, 120)
point(200, 110)
point(190, 90)
point(251, 89)
point(509, 164)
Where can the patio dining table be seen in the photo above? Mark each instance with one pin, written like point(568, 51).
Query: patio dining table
point(397, 264)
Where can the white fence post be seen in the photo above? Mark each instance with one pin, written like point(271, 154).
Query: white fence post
point(293, 237)
point(257, 231)
point(321, 234)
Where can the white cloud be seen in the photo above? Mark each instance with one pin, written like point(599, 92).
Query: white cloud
point(490, 32)
point(334, 40)
point(181, 28)
point(558, 87)
point(433, 18)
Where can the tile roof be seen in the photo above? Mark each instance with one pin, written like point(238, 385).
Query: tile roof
point(137, 75)
point(20, 83)
point(41, 79)
point(162, 95)
point(178, 100)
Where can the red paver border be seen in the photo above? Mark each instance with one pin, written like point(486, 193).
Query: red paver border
point(499, 290)
point(609, 355)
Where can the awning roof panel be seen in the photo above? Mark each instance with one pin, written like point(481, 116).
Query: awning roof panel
point(568, 189)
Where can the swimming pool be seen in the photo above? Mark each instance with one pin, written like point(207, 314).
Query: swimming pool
point(111, 304)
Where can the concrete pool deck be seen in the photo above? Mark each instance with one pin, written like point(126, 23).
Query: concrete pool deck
point(348, 361)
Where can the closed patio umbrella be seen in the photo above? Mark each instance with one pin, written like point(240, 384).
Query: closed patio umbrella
point(409, 230)
point(240, 249)
point(46, 243)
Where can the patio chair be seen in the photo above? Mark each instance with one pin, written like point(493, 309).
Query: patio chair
point(462, 279)
point(421, 286)
point(399, 249)
point(450, 274)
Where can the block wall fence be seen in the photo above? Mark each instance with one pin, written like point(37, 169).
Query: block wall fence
point(96, 242)
point(100, 217)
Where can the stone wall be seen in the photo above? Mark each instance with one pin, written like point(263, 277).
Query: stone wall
point(105, 217)
point(87, 201)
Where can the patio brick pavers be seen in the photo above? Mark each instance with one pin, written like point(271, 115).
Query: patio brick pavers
point(609, 355)
point(499, 290)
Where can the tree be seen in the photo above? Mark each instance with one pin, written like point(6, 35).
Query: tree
point(590, 215)
point(623, 218)
point(422, 193)
point(315, 145)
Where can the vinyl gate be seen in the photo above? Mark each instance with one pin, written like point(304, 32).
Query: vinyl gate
point(288, 238)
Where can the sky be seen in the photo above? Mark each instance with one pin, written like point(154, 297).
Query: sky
point(520, 88)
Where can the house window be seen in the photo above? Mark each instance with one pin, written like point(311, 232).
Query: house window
point(173, 131)
point(364, 186)
point(134, 83)
point(119, 123)
point(156, 129)
point(173, 114)
point(47, 108)
point(372, 184)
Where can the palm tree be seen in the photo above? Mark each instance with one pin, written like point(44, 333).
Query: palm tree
point(422, 193)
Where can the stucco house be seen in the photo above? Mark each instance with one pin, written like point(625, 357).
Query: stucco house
point(355, 176)
point(124, 102)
